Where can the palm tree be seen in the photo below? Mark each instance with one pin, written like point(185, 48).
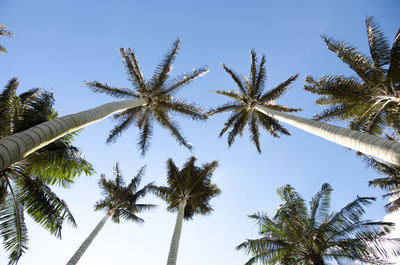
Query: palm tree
point(253, 107)
point(120, 202)
point(4, 32)
point(297, 235)
point(148, 101)
point(188, 192)
point(24, 184)
point(370, 101)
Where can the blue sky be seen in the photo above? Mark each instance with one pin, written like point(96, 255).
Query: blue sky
point(60, 44)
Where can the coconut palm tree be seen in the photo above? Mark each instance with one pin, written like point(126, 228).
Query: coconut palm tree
point(371, 100)
point(297, 235)
point(188, 192)
point(4, 32)
point(148, 101)
point(24, 185)
point(120, 202)
point(252, 106)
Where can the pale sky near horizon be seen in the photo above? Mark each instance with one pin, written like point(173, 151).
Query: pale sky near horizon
point(61, 44)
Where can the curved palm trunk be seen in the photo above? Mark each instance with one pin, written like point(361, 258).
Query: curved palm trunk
point(381, 148)
point(78, 254)
point(173, 249)
point(17, 146)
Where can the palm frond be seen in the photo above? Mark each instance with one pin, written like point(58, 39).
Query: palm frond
point(279, 90)
point(358, 62)
point(238, 126)
point(394, 68)
point(254, 132)
point(145, 135)
point(261, 76)
point(230, 106)
point(183, 80)
point(172, 126)
point(378, 44)
point(43, 205)
point(187, 109)
point(122, 125)
point(238, 80)
point(116, 92)
point(12, 227)
point(133, 69)
point(165, 66)
point(232, 94)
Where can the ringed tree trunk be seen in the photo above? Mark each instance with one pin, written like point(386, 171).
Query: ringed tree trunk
point(78, 254)
point(173, 249)
point(379, 147)
point(19, 145)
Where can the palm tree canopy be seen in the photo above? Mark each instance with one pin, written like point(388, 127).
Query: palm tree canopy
point(157, 93)
point(120, 200)
point(370, 101)
point(190, 185)
point(24, 184)
point(314, 235)
point(251, 93)
point(4, 32)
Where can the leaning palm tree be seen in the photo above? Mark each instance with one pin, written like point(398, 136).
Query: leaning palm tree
point(188, 192)
point(252, 106)
point(24, 185)
point(120, 202)
point(147, 102)
point(371, 100)
point(4, 32)
point(298, 236)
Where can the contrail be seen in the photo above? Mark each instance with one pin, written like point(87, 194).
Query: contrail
point(100, 14)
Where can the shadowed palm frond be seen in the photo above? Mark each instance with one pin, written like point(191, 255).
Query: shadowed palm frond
point(378, 45)
point(116, 92)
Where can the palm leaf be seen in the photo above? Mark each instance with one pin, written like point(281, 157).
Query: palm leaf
point(279, 90)
point(394, 69)
point(236, 78)
point(133, 69)
point(183, 80)
point(116, 92)
point(378, 45)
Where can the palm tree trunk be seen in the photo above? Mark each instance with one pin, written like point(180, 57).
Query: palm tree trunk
point(379, 147)
point(17, 146)
point(78, 254)
point(173, 250)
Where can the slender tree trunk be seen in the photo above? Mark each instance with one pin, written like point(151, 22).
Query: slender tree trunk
point(78, 254)
point(173, 250)
point(379, 147)
point(17, 146)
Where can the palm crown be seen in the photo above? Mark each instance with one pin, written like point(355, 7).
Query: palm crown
point(190, 185)
point(157, 94)
point(120, 200)
point(24, 184)
point(249, 96)
point(296, 235)
point(370, 101)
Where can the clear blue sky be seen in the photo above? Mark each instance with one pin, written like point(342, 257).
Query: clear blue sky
point(60, 44)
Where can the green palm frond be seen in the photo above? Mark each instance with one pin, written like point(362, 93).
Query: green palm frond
point(238, 127)
point(378, 44)
point(122, 126)
point(43, 205)
point(12, 227)
point(254, 132)
point(359, 63)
